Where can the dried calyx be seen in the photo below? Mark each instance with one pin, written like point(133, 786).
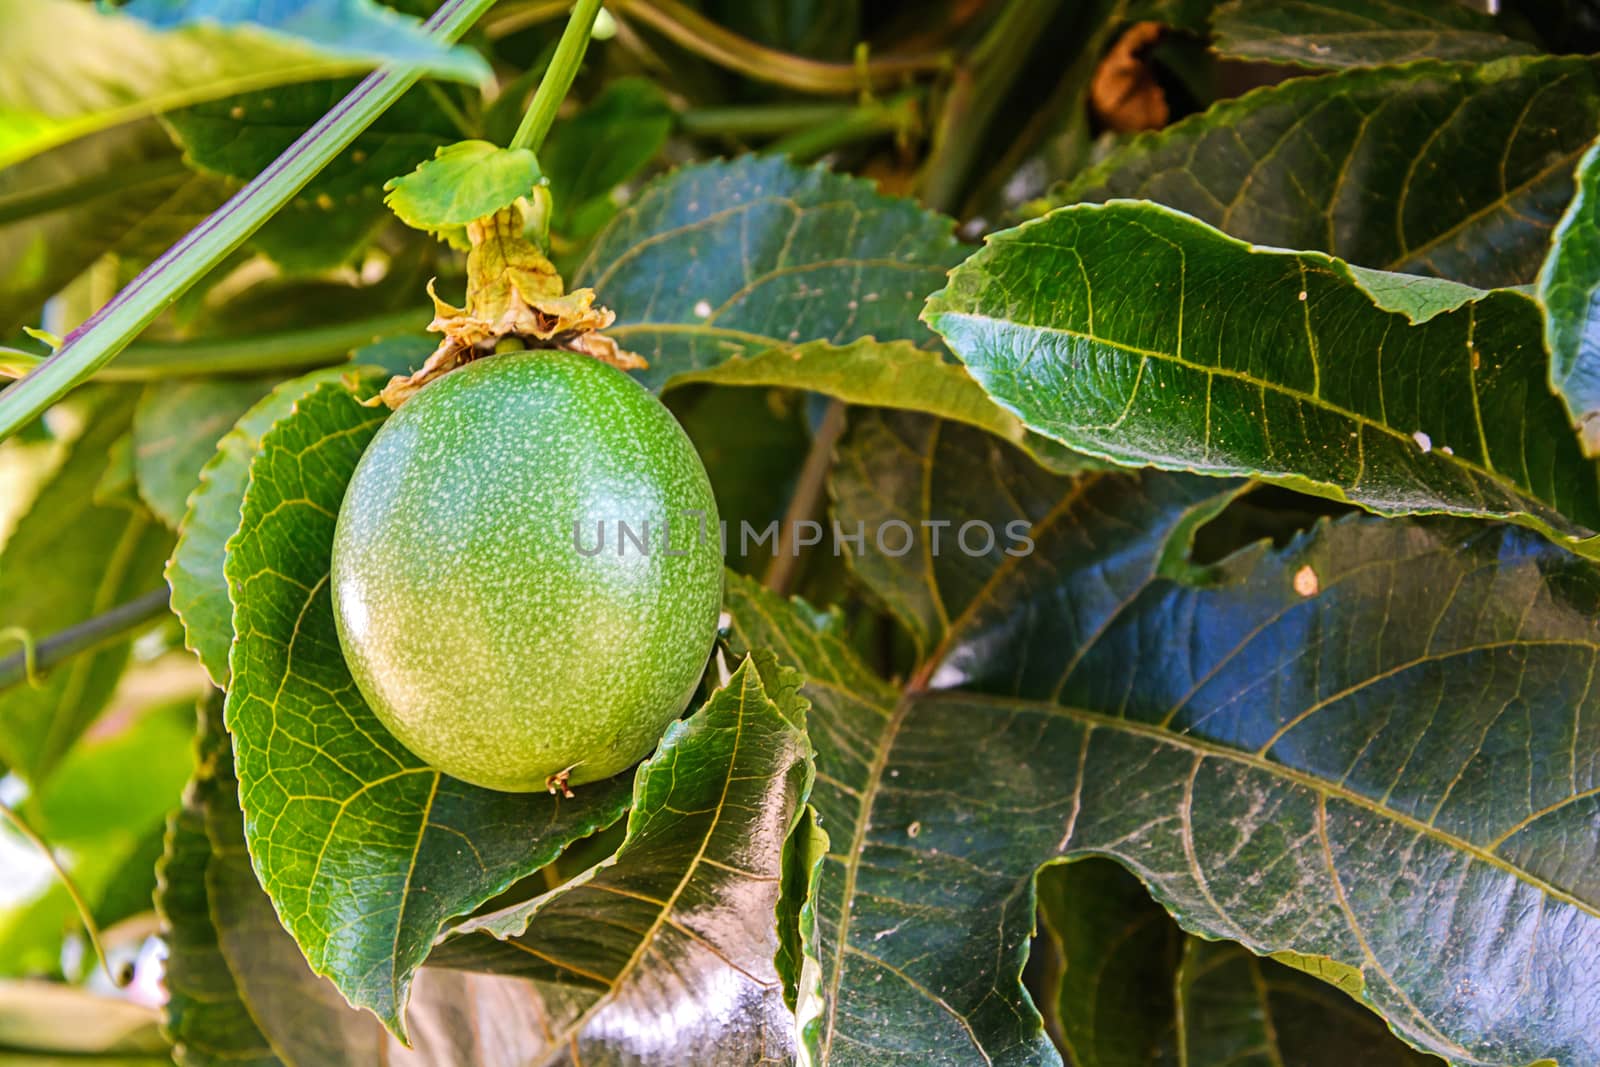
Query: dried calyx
point(515, 292)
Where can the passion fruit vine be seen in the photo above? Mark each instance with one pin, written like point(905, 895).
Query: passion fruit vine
point(494, 613)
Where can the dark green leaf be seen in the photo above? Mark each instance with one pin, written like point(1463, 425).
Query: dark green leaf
point(1358, 33)
point(69, 559)
point(929, 585)
point(1365, 748)
point(606, 144)
point(1131, 989)
point(735, 259)
point(1108, 1000)
point(462, 182)
point(1569, 288)
point(205, 1018)
point(199, 587)
point(671, 943)
point(50, 94)
point(176, 427)
point(363, 848)
point(335, 214)
point(1453, 169)
point(1131, 332)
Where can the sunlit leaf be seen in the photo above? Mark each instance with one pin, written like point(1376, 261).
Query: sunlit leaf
point(1131, 332)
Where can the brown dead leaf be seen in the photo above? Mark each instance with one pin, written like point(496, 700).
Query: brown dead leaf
point(1125, 95)
point(513, 291)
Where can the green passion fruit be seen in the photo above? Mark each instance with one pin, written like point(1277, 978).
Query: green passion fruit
point(526, 571)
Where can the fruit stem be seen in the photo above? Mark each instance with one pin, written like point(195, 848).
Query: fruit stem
point(95, 343)
point(558, 76)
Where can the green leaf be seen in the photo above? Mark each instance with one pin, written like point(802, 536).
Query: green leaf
point(1365, 748)
point(590, 155)
point(1131, 989)
point(1569, 288)
point(1108, 998)
point(671, 942)
point(100, 810)
point(338, 210)
point(362, 847)
point(1282, 368)
point(1357, 33)
point(65, 208)
point(188, 53)
point(176, 427)
point(69, 559)
point(462, 182)
point(205, 1018)
point(195, 571)
point(241, 991)
point(871, 478)
point(1452, 169)
point(735, 259)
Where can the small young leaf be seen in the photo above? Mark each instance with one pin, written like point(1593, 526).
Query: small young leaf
point(1569, 288)
point(365, 850)
point(462, 182)
point(679, 924)
point(1134, 333)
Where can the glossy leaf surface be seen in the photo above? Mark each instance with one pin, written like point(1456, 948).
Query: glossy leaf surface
point(1088, 324)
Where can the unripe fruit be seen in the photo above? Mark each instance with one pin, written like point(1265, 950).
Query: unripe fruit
point(480, 625)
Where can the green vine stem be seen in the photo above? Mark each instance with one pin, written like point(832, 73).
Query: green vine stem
point(558, 76)
point(38, 657)
point(109, 330)
point(285, 350)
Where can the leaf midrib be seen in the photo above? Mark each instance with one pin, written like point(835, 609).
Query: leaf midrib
point(1202, 748)
point(1290, 392)
point(647, 939)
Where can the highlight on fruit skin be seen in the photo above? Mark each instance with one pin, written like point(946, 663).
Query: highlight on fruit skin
point(477, 617)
